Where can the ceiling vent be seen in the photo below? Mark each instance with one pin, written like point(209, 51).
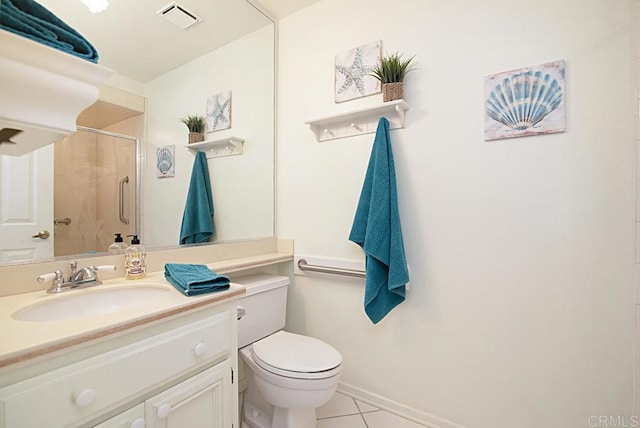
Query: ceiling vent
point(179, 16)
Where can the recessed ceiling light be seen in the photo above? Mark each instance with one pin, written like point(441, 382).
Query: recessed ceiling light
point(96, 6)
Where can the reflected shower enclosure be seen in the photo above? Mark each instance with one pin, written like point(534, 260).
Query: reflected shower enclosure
point(94, 191)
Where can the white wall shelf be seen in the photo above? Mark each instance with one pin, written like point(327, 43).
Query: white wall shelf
point(357, 122)
point(230, 146)
point(43, 92)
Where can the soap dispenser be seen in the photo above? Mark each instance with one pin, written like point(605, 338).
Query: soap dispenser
point(135, 258)
point(118, 245)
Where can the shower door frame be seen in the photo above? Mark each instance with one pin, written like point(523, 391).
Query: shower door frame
point(138, 186)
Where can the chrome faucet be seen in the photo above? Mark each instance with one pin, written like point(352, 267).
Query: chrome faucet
point(79, 278)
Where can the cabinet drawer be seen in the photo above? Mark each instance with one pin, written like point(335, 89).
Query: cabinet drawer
point(79, 392)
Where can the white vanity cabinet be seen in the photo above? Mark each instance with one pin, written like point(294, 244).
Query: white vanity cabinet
point(132, 418)
point(175, 373)
point(203, 401)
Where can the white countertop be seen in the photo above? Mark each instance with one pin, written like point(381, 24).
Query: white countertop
point(23, 340)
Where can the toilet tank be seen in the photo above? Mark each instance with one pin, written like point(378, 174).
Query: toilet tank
point(265, 304)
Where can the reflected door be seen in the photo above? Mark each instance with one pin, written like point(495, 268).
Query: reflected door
point(26, 205)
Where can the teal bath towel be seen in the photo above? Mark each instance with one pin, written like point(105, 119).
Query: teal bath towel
point(29, 19)
point(197, 220)
point(192, 280)
point(376, 228)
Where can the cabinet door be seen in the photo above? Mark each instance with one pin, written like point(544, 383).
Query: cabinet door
point(202, 401)
point(132, 418)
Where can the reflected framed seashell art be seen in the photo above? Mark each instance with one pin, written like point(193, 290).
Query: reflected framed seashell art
point(526, 101)
point(165, 161)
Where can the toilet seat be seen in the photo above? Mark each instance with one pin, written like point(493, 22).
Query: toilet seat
point(296, 356)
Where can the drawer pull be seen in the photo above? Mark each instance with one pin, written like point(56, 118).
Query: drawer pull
point(85, 398)
point(164, 410)
point(138, 423)
point(200, 349)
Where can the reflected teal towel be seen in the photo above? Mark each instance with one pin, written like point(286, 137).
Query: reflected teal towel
point(192, 280)
point(376, 228)
point(29, 19)
point(197, 220)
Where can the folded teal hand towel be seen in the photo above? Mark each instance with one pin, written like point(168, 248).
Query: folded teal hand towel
point(192, 280)
point(29, 19)
point(376, 228)
point(197, 220)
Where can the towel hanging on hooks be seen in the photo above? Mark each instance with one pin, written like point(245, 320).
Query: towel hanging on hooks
point(376, 228)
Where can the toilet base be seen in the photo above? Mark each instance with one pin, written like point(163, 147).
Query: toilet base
point(281, 418)
point(252, 417)
point(294, 418)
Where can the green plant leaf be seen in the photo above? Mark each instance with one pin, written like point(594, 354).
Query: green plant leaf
point(392, 68)
point(194, 122)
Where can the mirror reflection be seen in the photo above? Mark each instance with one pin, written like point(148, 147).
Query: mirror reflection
point(146, 103)
point(94, 191)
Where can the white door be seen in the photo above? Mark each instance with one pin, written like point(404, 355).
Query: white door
point(203, 401)
point(26, 205)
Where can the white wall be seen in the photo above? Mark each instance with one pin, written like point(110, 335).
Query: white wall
point(521, 251)
point(242, 186)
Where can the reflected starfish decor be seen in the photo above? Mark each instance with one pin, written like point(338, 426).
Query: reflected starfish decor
point(217, 116)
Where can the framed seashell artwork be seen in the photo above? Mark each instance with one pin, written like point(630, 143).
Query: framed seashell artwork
point(526, 101)
point(165, 161)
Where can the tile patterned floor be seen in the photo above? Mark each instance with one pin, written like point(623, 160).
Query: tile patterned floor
point(345, 412)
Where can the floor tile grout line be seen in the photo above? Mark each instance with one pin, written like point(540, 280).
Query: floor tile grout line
point(364, 420)
point(339, 416)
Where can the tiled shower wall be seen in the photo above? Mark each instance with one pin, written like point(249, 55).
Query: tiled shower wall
point(89, 165)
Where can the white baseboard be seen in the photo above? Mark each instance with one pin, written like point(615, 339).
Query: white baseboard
point(426, 419)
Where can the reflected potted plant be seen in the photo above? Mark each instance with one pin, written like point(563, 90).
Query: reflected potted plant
point(195, 124)
point(391, 71)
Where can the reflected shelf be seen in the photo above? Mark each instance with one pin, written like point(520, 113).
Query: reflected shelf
point(230, 146)
point(358, 122)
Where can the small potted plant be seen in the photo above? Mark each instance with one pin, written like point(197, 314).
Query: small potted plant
point(195, 123)
point(390, 71)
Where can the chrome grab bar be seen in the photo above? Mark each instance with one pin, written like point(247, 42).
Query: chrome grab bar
point(304, 266)
point(65, 220)
point(121, 199)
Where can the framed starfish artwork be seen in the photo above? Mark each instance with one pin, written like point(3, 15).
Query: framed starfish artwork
point(352, 72)
point(219, 111)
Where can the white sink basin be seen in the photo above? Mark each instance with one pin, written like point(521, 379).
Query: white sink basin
point(91, 302)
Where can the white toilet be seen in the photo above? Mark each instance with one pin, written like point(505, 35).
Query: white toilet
point(291, 375)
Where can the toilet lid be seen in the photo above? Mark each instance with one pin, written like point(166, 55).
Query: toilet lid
point(289, 352)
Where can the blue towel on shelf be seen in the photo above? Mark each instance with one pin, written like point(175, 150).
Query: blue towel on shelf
point(197, 220)
point(192, 280)
point(29, 19)
point(376, 228)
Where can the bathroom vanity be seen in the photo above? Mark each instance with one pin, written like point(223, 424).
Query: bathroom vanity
point(162, 369)
point(169, 362)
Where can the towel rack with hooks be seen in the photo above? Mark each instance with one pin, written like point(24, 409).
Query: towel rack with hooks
point(218, 148)
point(357, 122)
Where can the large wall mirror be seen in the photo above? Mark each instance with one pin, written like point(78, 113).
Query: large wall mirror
point(104, 180)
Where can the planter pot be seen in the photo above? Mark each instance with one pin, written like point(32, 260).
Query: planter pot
point(196, 137)
point(392, 91)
